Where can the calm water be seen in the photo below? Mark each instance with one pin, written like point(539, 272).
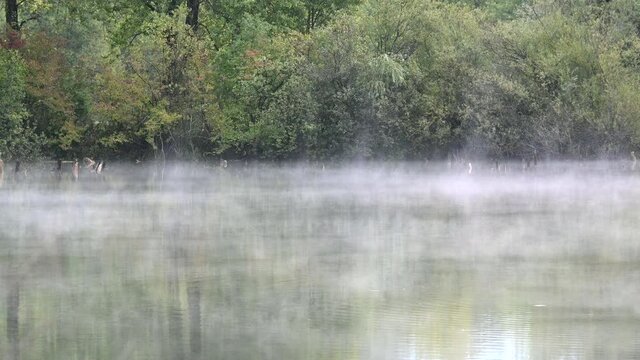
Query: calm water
point(369, 262)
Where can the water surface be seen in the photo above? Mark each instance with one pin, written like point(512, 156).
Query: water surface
point(391, 261)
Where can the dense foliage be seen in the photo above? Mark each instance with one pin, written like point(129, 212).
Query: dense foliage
point(329, 79)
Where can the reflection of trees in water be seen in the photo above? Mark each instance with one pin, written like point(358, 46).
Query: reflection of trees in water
point(182, 272)
point(251, 275)
point(13, 320)
point(176, 255)
point(194, 296)
point(20, 270)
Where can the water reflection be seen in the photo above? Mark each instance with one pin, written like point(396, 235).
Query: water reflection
point(275, 263)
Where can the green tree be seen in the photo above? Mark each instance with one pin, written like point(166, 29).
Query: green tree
point(17, 138)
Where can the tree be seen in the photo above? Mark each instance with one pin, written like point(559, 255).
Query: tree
point(17, 138)
point(319, 12)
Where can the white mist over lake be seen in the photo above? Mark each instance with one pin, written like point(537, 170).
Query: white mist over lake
point(366, 261)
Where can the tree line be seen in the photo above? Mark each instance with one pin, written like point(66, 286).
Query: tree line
point(319, 79)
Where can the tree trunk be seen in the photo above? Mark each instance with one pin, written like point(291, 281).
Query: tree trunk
point(194, 12)
point(11, 12)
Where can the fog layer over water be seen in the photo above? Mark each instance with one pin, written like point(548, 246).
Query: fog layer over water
point(293, 262)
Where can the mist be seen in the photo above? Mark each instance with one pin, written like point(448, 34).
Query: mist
point(307, 261)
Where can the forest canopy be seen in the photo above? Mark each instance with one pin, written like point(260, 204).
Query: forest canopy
point(319, 79)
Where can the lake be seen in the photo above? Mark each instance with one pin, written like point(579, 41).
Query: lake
point(361, 261)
